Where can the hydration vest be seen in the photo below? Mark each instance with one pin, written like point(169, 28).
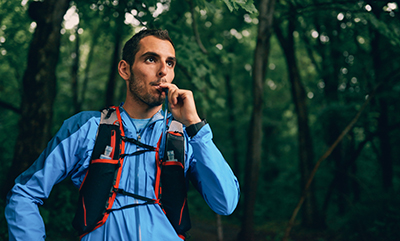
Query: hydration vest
point(101, 183)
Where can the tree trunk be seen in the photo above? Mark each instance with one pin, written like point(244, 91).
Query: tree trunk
point(311, 218)
point(266, 13)
point(110, 88)
point(39, 86)
point(330, 54)
point(385, 155)
point(385, 146)
point(74, 74)
point(220, 230)
point(232, 125)
point(93, 43)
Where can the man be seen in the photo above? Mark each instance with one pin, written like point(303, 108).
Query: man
point(147, 66)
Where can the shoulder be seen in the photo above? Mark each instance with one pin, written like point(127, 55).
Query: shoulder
point(83, 117)
point(83, 121)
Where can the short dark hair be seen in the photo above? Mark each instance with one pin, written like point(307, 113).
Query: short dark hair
point(132, 46)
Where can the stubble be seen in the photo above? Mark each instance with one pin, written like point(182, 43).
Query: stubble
point(140, 93)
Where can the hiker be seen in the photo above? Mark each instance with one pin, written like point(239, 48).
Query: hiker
point(147, 66)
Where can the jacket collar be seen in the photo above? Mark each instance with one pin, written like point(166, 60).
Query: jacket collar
point(128, 124)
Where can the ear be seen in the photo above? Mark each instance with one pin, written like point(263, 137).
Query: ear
point(124, 70)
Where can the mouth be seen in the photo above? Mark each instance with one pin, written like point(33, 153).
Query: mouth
point(160, 89)
point(156, 85)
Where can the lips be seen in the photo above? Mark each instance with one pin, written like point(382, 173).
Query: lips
point(158, 87)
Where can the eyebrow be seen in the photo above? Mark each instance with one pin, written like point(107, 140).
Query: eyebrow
point(157, 55)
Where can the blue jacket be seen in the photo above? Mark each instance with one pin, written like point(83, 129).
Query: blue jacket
point(68, 154)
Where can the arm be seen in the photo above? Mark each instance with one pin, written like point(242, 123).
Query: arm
point(55, 163)
point(182, 105)
point(211, 174)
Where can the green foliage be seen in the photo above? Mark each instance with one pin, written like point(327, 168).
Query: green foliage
point(375, 219)
point(15, 35)
point(63, 201)
point(334, 41)
point(235, 5)
point(3, 223)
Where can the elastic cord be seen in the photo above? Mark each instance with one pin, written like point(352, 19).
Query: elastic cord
point(165, 111)
point(165, 124)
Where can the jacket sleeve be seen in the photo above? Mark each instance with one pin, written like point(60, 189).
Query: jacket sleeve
point(60, 158)
point(211, 174)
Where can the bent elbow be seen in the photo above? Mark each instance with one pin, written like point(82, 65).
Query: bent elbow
point(225, 204)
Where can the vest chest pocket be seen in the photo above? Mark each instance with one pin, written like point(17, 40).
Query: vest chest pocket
point(96, 191)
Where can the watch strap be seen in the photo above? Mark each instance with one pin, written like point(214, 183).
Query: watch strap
point(194, 128)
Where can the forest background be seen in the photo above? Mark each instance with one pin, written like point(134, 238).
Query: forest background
point(301, 97)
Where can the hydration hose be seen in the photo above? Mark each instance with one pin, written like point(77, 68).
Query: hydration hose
point(165, 125)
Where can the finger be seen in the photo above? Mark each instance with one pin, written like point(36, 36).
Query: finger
point(174, 96)
point(168, 88)
point(174, 93)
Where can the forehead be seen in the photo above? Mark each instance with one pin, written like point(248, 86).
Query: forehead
point(155, 45)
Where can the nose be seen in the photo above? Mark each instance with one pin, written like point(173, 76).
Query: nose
point(163, 70)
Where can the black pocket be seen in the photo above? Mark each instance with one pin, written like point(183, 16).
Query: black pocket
point(96, 188)
point(174, 197)
point(94, 194)
point(173, 184)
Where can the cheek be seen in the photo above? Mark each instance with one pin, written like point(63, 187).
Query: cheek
point(143, 71)
point(171, 77)
point(141, 74)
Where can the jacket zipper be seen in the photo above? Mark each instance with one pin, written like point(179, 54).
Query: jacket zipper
point(137, 191)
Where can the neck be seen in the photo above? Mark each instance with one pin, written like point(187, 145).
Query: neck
point(139, 110)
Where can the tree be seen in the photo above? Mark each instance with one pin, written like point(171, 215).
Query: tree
point(311, 218)
point(379, 68)
point(39, 84)
point(118, 35)
point(76, 102)
point(266, 12)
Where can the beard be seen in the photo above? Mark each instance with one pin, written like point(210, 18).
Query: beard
point(140, 93)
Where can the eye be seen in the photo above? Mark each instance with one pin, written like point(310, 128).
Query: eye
point(151, 59)
point(171, 63)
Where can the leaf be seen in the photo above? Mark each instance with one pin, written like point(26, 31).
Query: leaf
point(229, 5)
point(247, 5)
point(384, 28)
point(221, 102)
point(214, 81)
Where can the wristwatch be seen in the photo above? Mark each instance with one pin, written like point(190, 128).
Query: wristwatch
point(194, 128)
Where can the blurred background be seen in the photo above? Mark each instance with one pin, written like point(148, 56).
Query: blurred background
point(295, 92)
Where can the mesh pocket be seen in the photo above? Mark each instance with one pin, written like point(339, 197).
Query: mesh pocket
point(94, 194)
point(173, 182)
point(173, 197)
